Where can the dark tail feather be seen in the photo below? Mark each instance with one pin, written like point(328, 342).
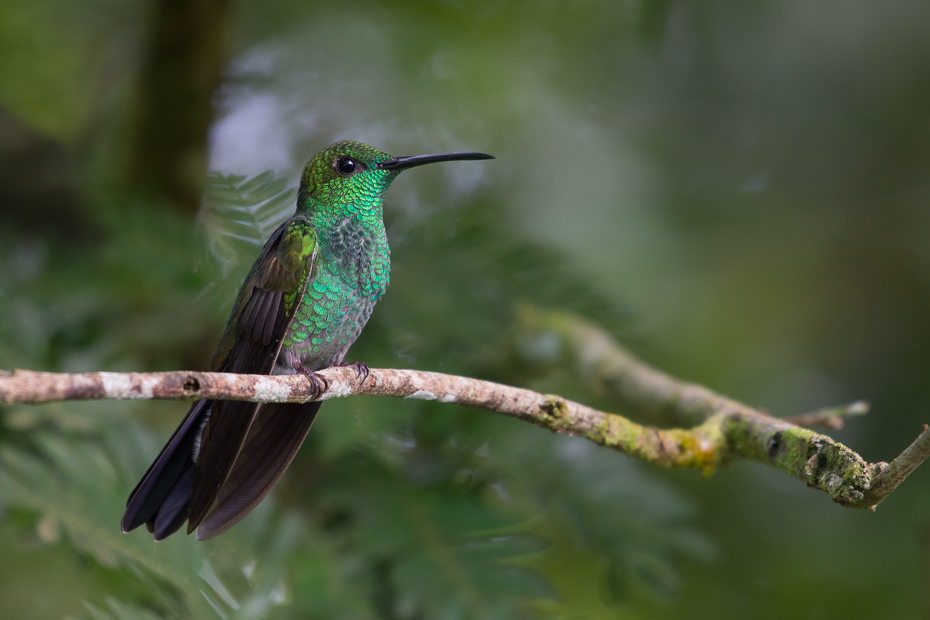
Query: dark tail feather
point(220, 444)
point(158, 500)
point(272, 441)
point(173, 512)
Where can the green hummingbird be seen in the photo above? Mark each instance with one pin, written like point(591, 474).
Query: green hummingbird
point(303, 303)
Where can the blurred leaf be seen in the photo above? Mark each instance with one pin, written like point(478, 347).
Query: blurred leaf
point(242, 212)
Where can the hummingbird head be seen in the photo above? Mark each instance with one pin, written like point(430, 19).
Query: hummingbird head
point(352, 173)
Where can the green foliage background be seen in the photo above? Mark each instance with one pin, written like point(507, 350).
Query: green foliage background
point(738, 191)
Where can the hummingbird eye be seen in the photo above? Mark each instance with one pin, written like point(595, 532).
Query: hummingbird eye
point(346, 165)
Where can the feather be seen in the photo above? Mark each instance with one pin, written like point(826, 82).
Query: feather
point(276, 434)
point(148, 496)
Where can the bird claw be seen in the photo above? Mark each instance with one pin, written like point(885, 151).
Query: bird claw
point(318, 382)
point(361, 369)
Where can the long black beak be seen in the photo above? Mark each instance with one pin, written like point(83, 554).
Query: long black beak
point(409, 161)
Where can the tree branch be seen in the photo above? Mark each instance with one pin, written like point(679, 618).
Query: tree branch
point(609, 369)
point(729, 431)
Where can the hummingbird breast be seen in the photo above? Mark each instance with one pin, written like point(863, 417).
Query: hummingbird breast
point(350, 274)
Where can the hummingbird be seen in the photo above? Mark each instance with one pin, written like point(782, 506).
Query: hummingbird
point(300, 308)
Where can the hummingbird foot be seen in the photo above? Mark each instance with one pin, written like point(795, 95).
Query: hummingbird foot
point(319, 382)
point(361, 369)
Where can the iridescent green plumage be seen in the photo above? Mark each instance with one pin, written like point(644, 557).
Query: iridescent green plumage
point(302, 305)
point(354, 259)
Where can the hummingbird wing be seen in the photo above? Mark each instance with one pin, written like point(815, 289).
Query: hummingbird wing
point(250, 344)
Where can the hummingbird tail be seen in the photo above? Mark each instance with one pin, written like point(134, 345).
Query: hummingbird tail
point(161, 498)
point(273, 439)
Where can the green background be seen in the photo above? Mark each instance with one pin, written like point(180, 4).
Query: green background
point(737, 191)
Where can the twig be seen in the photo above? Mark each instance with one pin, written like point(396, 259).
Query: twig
point(832, 417)
point(888, 477)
